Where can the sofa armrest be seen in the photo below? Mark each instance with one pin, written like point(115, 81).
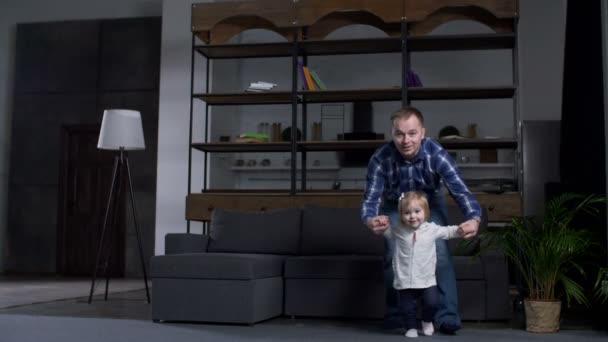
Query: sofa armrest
point(177, 243)
point(496, 274)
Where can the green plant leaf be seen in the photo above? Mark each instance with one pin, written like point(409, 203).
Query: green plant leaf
point(601, 285)
point(545, 250)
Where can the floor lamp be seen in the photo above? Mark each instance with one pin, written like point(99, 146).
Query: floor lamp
point(121, 130)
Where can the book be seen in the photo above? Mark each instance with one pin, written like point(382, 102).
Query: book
point(253, 86)
point(309, 81)
point(264, 84)
point(317, 79)
point(261, 85)
point(302, 77)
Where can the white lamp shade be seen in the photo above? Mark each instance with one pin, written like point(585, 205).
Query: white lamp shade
point(121, 128)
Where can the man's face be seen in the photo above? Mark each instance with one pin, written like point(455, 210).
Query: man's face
point(407, 135)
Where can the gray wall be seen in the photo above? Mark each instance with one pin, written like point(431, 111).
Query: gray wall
point(89, 65)
point(27, 11)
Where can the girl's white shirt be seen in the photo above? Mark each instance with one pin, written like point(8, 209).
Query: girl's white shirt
point(414, 260)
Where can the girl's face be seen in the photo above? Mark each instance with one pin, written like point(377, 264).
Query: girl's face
point(413, 214)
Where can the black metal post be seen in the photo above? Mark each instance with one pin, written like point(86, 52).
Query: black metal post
point(405, 64)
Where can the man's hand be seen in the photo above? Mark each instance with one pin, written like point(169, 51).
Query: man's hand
point(469, 228)
point(378, 224)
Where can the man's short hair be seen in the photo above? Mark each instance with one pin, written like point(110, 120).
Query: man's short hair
point(406, 112)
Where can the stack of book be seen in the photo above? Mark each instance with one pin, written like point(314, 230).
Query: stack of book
point(309, 78)
point(260, 86)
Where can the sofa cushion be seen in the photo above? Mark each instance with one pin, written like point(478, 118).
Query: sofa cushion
point(271, 232)
point(337, 231)
point(334, 267)
point(176, 243)
point(461, 247)
point(468, 267)
point(217, 266)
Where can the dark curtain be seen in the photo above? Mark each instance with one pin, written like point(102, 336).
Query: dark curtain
point(582, 150)
point(582, 156)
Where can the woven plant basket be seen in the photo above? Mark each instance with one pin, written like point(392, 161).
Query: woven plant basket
point(542, 316)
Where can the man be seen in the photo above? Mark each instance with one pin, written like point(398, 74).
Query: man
point(413, 162)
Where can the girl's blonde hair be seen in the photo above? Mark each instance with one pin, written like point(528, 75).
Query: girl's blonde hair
point(414, 196)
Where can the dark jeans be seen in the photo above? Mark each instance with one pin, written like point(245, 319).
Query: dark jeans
point(408, 298)
point(447, 308)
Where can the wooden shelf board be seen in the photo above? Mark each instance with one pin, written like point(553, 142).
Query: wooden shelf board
point(277, 192)
point(460, 144)
point(199, 206)
point(246, 98)
point(282, 168)
point(377, 94)
point(473, 144)
point(340, 145)
point(460, 93)
point(360, 46)
point(257, 50)
point(344, 145)
point(238, 192)
point(337, 167)
point(485, 165)
point(243, 147)
point(350, 95)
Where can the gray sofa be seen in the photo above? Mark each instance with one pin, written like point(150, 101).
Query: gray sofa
point(314, 261)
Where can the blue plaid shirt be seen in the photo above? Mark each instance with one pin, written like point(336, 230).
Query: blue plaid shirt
point(389, 175)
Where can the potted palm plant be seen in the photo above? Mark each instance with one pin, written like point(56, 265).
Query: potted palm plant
point(546, 252)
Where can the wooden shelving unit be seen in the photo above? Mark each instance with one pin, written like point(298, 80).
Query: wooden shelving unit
point(304, 24)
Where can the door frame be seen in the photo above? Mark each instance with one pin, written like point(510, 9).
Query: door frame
point(62, 203)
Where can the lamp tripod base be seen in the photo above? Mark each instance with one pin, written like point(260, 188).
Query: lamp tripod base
point(121, 164)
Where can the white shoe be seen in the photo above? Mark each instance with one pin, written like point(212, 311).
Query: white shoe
point(427, 328)
point(411, 333)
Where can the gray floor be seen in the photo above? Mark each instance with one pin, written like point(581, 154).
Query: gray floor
point(125, 316)
point(18, 291)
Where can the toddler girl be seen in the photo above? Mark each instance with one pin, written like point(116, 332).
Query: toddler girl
point(415, 259)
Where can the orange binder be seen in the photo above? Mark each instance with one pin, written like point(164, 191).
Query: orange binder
point(309, 81)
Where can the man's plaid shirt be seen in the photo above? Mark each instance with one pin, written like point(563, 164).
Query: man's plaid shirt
point(389, 175)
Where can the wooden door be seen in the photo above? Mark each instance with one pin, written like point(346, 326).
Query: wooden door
point(86, 176)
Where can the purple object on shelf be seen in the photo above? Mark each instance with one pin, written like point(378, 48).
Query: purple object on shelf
point(412, 79)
